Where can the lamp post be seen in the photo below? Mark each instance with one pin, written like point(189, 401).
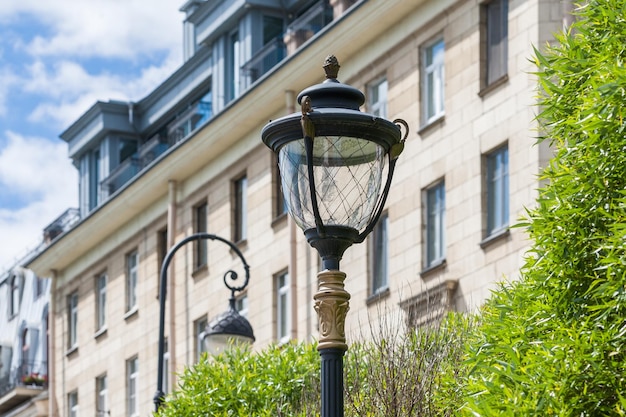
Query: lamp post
point(226, 328)
point(331, 159)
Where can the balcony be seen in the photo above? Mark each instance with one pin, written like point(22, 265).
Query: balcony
point(120, 176)
point(264, 60)
point(21, 384)
point(61, 224)
point(306, 25)
point(189, 120)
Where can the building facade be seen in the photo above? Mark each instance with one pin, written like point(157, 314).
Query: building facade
point(188, 158)
point(24, 304)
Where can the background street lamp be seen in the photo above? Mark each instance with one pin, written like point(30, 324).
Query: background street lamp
point(229, 327)
point(331, 158)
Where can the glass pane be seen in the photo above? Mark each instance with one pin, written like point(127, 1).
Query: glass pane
point(348, 175)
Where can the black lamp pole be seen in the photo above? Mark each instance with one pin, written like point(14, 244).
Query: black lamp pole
point(331, 158)
point(242, 326)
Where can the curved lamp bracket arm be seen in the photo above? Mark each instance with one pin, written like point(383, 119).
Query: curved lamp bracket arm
point(394, 153)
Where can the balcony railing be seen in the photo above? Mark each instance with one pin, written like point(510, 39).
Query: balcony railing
point(61, 224)
point(188, 121)
point(28, 375)
point(120, 176)
point(264, 60)
point(313, 20)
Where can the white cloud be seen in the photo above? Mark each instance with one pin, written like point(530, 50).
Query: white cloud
point(104, 28)
point(40, 169)
point(68, 90)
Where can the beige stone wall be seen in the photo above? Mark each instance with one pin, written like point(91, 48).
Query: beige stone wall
point(451, 148)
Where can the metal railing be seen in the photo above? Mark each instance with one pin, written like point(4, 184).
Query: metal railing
point(27, 374)
point(265, 59)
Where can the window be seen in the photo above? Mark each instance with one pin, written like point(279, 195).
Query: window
point(235, 65)
point(435, 224)
point(101, 301)
point(132, 261)
point(161, 252)
point(497, 190)
point(72, 320)
point(132, 373)
point(494, 41)
point(166, 366)
point(241, 209)
point(280, 204)
point(433, 76)
point(380, 256)
point(241, 305)
point(102, 396)
point(283, 308)
point(199, 328)
point(377, 98)
point(201, 253)
point(40, 285)
point(72, 404)
point(14, 303)
point(94, 177)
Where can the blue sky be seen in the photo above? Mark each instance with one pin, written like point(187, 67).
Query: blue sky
point(56, 59)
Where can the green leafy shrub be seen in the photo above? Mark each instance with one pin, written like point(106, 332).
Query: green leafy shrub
point(553, 343)
point(243, 383)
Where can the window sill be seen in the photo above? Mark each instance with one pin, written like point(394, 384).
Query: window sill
point(494, 237)
point(432, 268)
point(71, 351)
point(100, 333)
point(200, 270)
point(493, 86)
point(131, 313)
point(431, 125)
point(279, 220)
point(376, 297)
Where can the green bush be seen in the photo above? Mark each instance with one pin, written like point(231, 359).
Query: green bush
point(553, 343)
point(243, 383)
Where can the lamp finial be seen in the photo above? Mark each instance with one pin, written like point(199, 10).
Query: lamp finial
point(331, 67)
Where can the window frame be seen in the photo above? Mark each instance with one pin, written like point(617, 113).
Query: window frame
point(72, 320)
point(101, 298)
point(377, 102)
point(15, 296)
point(132, 279)
point(497, 191)
point(240, 209)
point(242, 304)
point(494, 57)
point(201, 225)
point(435, 111)
point(72, 404)
point(434, 224)
point(102, 395)
point(282, 294)
point(379, 257)
point(132, 380)
point(199, 326)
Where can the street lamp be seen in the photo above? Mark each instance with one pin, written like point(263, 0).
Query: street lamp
point(227, 328)
point(331, 158)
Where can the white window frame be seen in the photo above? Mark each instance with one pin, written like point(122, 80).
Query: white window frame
point(433, 81)
point(132, 379)
point(241, 305)
point(72, 318)
point(377, 97)
point(132, 270)
point(200, 328)
point(101, 301)
point(201, 220)
point(379, 249)
point(497, 179)
point(72, 404)
point(102, 396)
point(283, 307)
point(435, 224)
